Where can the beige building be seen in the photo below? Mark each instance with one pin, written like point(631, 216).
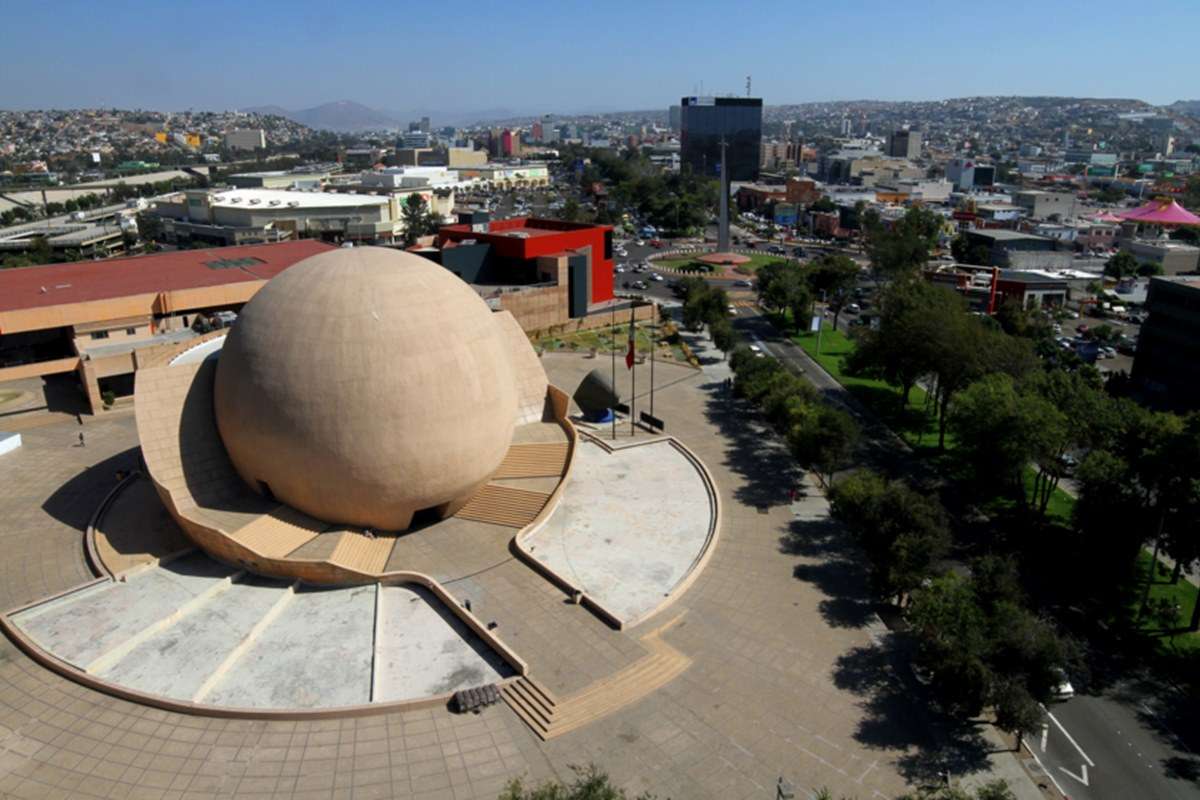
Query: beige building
point(95, 322)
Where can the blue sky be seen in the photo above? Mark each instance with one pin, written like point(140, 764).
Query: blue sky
point(566, 56)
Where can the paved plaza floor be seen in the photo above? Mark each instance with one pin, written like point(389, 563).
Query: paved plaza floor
point(784, 677)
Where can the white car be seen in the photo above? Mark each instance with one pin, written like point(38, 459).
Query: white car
point(640, 243)
point(1064, 690)
point(656, 277)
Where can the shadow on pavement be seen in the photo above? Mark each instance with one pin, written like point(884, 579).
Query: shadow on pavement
point(754, 453)
point(900, 717)
point(74, 502)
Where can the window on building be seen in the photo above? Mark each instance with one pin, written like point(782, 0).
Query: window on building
point(99, 334)
point(131, 331)
point(608, 245)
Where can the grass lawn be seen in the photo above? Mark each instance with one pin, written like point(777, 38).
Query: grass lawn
point(1181, 594)
point(757, 260)
point(917, 426)
point(604, 339)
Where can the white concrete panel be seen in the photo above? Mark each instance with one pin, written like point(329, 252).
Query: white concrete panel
point(423, 649)
point(629, 527)
point(177, 662)
point(84, 626)
point(315, 654)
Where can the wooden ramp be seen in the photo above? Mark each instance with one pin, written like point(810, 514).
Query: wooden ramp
point(504, 505)
point(363, 553)
point(544, 460)
point(275, 534)
point(549, 716)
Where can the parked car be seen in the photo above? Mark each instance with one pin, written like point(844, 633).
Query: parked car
point(743, 284)
point(853, 308)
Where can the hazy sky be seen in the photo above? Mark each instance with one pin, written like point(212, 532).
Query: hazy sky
point(567, 56)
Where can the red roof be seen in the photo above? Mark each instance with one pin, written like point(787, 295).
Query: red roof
point(82, 281)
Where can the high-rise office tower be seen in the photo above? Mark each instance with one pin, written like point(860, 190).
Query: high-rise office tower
point(674, 115)
point(905, 143)
point(706, 121)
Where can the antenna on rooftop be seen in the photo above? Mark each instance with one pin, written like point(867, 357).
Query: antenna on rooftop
point(747, 86)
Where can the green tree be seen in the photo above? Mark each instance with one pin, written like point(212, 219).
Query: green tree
point(903, 247)
point(723, 335)
point(966, 253)
point(824, 439)
point(570, 210)
point(1120, 266)
point(415, 218)
point(903, 533)
point(834, 278)
point(782, 285)
point(1000, 430)
point(589, 784)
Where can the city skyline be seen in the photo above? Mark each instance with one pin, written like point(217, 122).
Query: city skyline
point(298, 55)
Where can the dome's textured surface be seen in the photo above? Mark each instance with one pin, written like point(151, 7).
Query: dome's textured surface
point(365, 384)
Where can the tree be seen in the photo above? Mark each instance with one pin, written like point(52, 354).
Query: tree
point(1121, 266)
point(782, 285)
point(1016, 709)
point(589, 784)
point(903, 533)
point(903, 247)
point(414, 217)
point(570, 210)
point(824, 439)
point(966, 253)
point(1149, 268)
point(834, 278)
point(723, 335)
point(1000, 430)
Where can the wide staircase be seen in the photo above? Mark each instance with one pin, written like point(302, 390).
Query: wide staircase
point(548, 716)
point(504, 505)
point(534, 460)
point(197, 631)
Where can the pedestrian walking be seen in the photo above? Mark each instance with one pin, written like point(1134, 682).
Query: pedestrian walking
point(81, 442)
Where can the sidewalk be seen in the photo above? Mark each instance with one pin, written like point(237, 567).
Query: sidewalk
point(1003, 763)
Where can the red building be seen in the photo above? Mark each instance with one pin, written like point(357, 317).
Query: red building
point(506, 142)
point(506, 251)
point(538, 132)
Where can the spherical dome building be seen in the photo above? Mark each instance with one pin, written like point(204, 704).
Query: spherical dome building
point(364, 385)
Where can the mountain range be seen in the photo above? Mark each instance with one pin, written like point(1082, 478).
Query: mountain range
point(347, 116)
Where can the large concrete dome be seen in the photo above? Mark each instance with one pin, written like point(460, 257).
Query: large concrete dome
point(363, 385)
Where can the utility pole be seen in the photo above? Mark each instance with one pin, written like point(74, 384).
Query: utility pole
point(723, 219)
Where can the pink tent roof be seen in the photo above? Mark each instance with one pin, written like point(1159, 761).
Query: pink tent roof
point(1106, 216)
point(1162, 212)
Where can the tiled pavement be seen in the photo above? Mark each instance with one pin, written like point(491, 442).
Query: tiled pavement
point(773, 627)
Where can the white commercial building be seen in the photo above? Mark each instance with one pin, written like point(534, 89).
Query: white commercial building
point(246, 139)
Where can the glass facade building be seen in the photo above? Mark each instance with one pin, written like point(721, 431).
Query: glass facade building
point(704, 120)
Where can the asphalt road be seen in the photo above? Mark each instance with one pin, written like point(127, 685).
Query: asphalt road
point(1118, 745)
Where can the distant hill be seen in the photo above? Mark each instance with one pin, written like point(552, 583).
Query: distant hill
point(340, 115)
point(1189, 107)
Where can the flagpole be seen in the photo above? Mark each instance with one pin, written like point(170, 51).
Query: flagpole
point(613, 315)
point(653, 345)
point(632, 372)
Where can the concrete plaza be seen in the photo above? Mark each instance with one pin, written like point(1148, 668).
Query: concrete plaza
point(783, 677)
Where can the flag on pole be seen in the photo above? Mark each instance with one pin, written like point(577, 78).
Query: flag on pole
point(629, 352)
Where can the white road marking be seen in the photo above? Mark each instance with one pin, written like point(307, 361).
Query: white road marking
point(1045, 735)
point(1069, 738)
point(1082, 769)
point(1045, 771)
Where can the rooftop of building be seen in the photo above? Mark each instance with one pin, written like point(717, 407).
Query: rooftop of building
point(283, 198)
point(1002, 235)
point(524, 228)
point(86, 281)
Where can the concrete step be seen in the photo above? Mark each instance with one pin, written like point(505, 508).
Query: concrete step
point(526, 696)
point(532, 716)
point(279, 532)
point(533, 461)
point(362, 553)
point(504, 505)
